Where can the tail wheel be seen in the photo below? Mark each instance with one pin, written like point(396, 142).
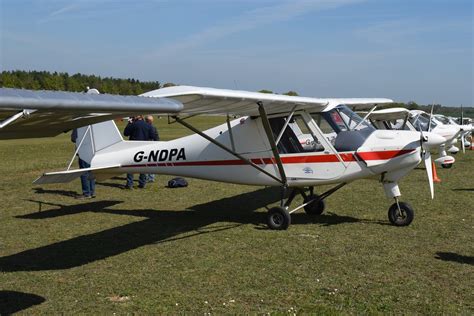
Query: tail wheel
point(278, 218)
point(401, 214)
point(316, 207)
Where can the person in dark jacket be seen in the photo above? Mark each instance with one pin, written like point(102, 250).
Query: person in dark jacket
point(156, 137)
point(88, 184)
point(137, 129)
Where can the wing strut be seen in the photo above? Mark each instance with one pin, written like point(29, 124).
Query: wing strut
point(230, 151)
point(271, 139)
point(78, 147)
point(13, 118)
point(231, 136)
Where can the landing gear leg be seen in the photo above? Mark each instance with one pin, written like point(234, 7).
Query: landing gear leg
point(399, 213)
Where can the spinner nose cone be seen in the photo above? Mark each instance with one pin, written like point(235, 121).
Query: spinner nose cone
point(432, 140)
point(466, 128)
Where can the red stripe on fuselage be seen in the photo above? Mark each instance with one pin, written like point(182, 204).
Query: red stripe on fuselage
point(383, 155)
point(346, 157)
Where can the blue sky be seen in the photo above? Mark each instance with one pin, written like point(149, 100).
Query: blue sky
point(408, 50)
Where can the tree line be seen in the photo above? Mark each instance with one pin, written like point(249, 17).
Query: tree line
point(45, 80)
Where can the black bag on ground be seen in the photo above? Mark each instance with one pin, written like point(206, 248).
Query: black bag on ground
point(177, 183)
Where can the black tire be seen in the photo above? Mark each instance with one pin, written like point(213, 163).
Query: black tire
point(446, 165)
point(401, 219)
point(278, 218)
point(315, 208)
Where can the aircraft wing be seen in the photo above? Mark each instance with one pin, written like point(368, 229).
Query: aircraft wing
point(199, 100)
point(27, 114)
point(389, 114)
point(365, 104)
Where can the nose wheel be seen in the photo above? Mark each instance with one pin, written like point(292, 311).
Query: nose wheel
point(400, 214)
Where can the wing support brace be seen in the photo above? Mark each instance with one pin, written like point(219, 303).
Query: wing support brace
point(13, 118)
point(365, 117)
point(79, 146)
point(230, 151)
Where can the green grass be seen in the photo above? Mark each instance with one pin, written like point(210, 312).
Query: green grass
point(206, 248)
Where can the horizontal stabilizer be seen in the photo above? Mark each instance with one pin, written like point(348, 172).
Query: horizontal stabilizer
point(70, 175)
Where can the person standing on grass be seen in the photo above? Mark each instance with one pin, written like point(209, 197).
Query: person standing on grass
point(87, 182)
point(137, 129)
point(156, 137)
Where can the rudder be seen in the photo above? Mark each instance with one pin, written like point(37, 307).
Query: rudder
point(94, 138)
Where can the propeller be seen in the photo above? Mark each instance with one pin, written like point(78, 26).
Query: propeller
point(429, 171)
point(426, 156)
point(431, 115)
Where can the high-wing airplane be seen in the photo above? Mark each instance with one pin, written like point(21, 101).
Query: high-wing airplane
point(416, 120)
point(260, 147)
point(464, 129)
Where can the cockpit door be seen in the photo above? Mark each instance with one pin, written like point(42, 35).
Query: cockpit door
point(305, 151)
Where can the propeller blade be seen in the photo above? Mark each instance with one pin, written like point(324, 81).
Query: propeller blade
point(431, 115)
point(429, 171)
point(462, 143)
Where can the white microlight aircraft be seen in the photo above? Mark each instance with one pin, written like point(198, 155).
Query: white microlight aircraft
point(465, 129)
point(258, 148)
point(403, 119)
point(416, 120)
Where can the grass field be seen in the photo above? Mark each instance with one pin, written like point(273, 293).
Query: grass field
point(206, 248)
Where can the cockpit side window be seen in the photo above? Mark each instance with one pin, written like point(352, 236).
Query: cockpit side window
point(289, 142)
point(399, 124)
point(297, 137)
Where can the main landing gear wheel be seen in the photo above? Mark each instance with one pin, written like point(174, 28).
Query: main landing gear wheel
point(446, 165)
point(316, 207)
point(401, 214)
point(278, 218)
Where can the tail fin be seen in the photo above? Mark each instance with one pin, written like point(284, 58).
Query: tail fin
point(93, 138)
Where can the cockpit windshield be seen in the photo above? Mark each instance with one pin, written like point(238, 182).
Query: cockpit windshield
point(423, 122)
point(343, 128)
point(343, 119)
point(443, 119)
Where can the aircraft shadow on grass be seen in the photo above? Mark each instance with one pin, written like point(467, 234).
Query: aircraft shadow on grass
point(158, 226)
point(57, 192)
point(464, 189)
point(454, 257)
point(12, 302)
